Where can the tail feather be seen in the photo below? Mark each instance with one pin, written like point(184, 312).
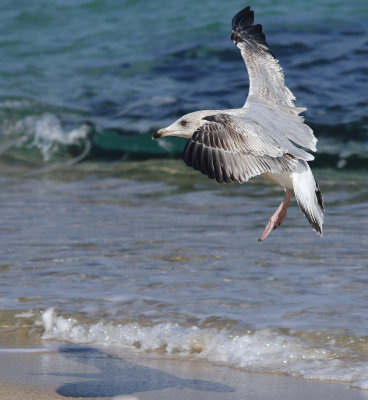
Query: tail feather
point(320, 198)
point(308, 196)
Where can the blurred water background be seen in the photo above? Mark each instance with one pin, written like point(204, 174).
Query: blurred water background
point(107, 238)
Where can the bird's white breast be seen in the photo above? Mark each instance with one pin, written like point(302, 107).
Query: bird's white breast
point(283, 179)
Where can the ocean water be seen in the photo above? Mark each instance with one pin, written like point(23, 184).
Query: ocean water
point(107, 238)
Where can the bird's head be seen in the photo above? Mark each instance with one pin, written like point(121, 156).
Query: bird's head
point(185, 126)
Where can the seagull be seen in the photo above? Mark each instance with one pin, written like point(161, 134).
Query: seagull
point(265, 137)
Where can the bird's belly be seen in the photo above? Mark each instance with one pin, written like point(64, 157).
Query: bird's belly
point(283, 179)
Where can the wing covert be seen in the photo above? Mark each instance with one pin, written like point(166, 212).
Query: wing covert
point(229, 149)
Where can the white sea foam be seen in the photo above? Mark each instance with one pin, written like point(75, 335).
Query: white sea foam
point(266, 350)
point(46, 133)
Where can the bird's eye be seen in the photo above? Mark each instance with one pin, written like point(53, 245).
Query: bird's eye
point(183, 122)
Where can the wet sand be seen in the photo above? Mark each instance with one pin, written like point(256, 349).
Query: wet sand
point(89, 372)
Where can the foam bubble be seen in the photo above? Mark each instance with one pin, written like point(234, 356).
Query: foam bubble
point(26, 314)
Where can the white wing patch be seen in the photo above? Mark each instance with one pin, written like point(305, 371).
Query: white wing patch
point(266, 78)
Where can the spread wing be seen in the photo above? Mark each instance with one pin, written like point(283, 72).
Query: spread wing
point(266, 78)
point(231, 149)
point(269, 101)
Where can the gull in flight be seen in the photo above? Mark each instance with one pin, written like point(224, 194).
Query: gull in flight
point(265, 137)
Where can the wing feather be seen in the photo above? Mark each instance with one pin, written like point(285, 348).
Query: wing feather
point(218, 166)
point(283, 128)
point(270, 102)
point(266, 78)
point(228, 149)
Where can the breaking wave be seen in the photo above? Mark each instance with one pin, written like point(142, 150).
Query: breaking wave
point(318, 355)
point(44, 139)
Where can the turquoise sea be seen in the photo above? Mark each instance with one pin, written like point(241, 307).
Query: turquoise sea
point(108, 239)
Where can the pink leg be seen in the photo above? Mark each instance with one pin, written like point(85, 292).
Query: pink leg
point(279, 215)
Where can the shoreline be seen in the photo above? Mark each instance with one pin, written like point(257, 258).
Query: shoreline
point(99, 373)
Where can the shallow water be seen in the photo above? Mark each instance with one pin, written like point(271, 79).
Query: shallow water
point(173, 266)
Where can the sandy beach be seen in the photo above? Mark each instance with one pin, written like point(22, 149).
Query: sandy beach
point(89, 372)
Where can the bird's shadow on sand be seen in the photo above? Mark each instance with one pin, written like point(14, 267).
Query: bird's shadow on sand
point(117, 376)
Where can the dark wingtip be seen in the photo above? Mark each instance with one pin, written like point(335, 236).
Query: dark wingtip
point(243, 28)
point(244, 17)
